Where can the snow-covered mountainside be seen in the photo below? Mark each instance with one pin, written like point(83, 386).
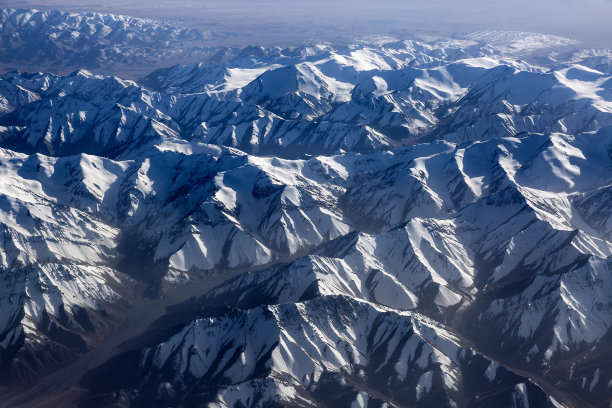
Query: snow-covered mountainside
point(415, 223)
point(312, 100)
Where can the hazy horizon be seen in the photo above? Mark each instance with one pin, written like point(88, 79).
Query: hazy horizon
point(272, 21)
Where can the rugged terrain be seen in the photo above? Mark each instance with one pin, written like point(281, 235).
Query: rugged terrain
point(408, 223)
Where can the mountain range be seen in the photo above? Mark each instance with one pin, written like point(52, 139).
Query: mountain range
point(417, 223)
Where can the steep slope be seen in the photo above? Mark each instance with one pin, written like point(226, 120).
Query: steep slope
point(303, 351)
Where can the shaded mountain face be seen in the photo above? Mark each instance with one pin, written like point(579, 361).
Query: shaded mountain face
point(404, 224)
